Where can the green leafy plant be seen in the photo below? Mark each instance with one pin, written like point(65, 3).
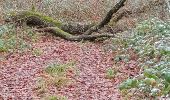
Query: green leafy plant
point(37, 52)
point(12, 39)
point(151, 43)
point(110, 73)
point(58, 72)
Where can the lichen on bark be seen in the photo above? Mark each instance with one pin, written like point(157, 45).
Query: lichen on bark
point(34, 19)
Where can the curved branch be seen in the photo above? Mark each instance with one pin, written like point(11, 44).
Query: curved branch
point(90, 37)
point(58, 32)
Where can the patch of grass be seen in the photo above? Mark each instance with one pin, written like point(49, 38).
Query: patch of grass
point(2, 46)
point(110, 73)
point(52, 97)
point(58, 69)
point(58, 73)
point(55, 75)
point(37, 52)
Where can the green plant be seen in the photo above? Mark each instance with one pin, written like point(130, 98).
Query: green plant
point(58, 73)
point(151, 43)
point(55, 75)
point(2, 46)
point(110, 73)
point(124, 58)
point(13, 39)
point(58, 69)
point(52, 97)
point(37, 52)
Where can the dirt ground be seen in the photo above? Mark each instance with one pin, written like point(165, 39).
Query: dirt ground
point(19, 71)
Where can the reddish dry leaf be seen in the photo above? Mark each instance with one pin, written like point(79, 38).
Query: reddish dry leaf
point(18, 74)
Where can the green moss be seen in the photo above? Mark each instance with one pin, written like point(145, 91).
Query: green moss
point(25, 14)
point(22, 15)
point(61, 33)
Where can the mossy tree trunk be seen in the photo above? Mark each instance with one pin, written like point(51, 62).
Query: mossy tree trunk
point(66, 31)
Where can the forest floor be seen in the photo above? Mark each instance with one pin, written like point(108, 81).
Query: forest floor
point(19, 71)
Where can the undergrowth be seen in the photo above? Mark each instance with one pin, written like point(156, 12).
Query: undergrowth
point(111, 73)
point(151, 42)
point(56, 75)
point(9, 39)
point(15, 39)
point(51, 97)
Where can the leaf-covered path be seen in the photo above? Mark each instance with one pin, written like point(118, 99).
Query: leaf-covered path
point(19, 72)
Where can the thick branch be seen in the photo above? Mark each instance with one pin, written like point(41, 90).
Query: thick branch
point(58, 32)
point(107, 18)
point(47, 24)
point(55, 31)
point(35, 19)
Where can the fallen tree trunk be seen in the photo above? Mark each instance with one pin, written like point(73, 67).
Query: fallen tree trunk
point(66, 31)
point(35, 19)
